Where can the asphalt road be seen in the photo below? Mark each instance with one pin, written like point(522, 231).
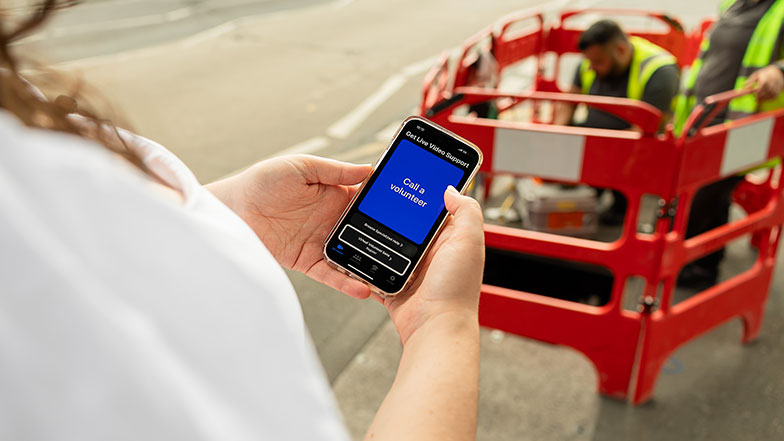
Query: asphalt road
point(101, 27)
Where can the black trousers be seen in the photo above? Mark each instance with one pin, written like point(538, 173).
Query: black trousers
point(710, 209)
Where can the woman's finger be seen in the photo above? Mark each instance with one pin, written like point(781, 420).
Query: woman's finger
point(317, 170)
point(466, 211)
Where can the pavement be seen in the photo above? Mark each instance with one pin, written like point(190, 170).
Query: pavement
point(225, 89)
point(713, 388)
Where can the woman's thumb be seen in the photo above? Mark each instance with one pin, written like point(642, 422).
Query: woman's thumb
point(466, 210)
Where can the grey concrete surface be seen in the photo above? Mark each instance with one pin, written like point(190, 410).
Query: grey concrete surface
point(713, 388)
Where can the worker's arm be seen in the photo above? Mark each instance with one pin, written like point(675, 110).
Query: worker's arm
point(564, 112)
point(661, 89)
point(769, 80)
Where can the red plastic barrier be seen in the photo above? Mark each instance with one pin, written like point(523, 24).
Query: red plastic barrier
point(563, 39)
point(628, 348)
point(509, 45)
point(512, 46)
point(504, 43)
point(710, 154)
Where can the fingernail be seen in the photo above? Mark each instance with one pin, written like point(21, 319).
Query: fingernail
point(452, 190)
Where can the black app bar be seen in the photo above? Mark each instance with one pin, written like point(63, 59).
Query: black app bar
point(374, 249)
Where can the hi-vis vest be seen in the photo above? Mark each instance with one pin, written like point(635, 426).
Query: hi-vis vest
point(759, 53)
point(646, 60)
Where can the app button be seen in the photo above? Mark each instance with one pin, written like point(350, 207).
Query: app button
point(374, 250)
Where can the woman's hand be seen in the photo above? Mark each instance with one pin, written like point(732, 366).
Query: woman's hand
point(435, 393)
point(450, 276)
point(292, 203)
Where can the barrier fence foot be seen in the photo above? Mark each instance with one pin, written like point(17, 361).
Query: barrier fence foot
point(649, 368)
point(752, 323)
point(614, 378)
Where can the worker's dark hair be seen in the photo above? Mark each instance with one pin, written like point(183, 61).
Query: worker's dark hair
point(601, 32)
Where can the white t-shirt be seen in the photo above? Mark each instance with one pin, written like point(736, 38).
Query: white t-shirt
point(127, 316)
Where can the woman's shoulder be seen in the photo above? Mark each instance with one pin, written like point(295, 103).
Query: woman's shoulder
point(144, 304)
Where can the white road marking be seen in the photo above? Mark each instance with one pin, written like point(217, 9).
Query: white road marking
point(344, 126)
point(210, 33)
point(112, 25)
point(367, 153)
point(420, 66)
point(385, 135)
point(340, 4)
point(309, 147)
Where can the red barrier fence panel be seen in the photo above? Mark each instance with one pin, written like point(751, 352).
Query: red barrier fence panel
point(512, 45)
point(714, 153)
point(563, 38)
point(521, 36)
point(607, 335)
point(628, 348)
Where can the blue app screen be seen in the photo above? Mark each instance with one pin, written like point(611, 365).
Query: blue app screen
point(408, 194)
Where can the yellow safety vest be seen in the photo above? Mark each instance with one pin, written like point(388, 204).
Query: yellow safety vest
point(759, 53)
point(646, 60)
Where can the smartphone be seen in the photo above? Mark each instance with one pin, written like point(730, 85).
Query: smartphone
point(399, 209)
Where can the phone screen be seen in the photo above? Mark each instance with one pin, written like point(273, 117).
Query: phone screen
point(387, 229)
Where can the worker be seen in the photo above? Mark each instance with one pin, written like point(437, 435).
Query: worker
point(623, 66)
point(743, 49)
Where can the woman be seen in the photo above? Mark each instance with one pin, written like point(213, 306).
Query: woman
point(137, 304)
